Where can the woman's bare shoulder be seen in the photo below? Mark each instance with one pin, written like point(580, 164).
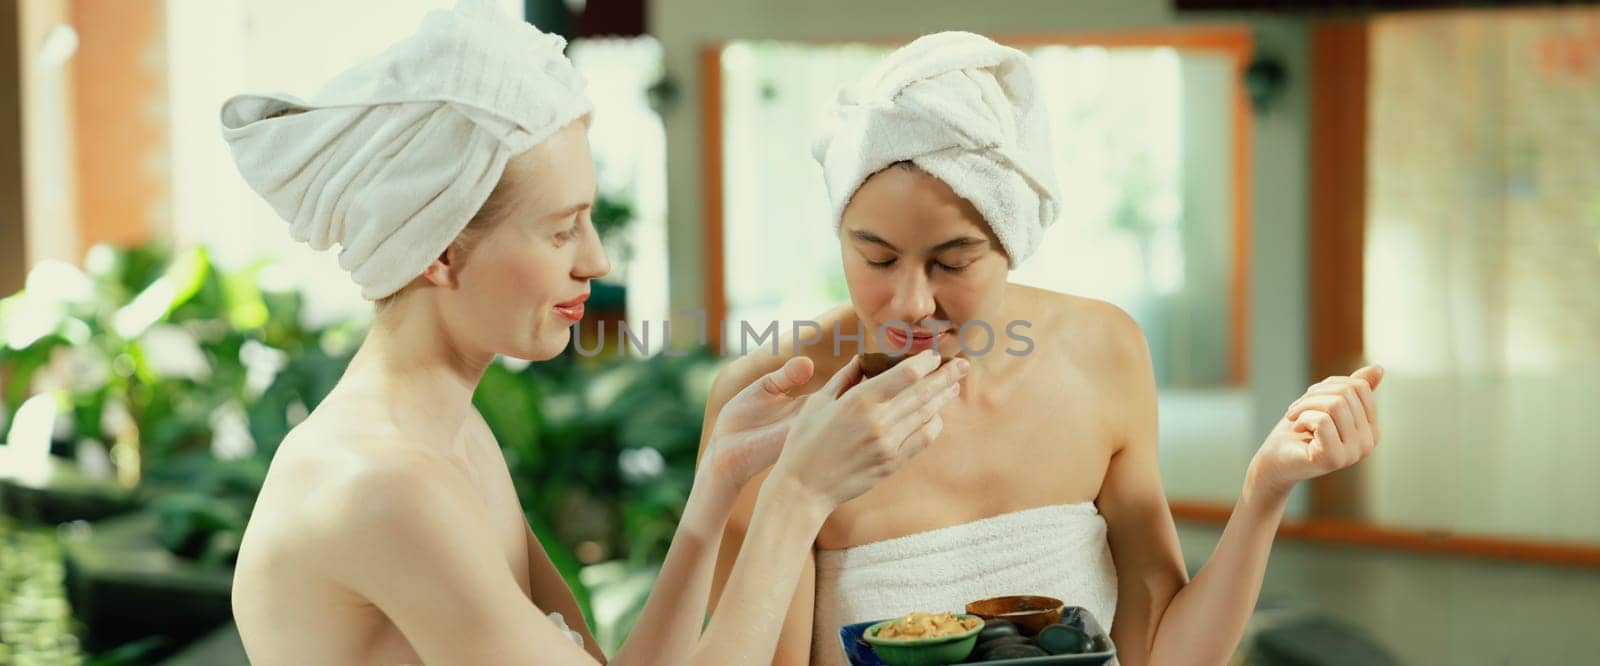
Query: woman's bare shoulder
point(338, 441)
point(335, 478)
point(1091, 319)
point(1090, 332)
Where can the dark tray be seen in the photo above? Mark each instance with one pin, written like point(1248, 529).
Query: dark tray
point(860, 653)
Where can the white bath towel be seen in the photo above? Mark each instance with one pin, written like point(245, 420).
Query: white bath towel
point(394, 156)
point(964, 109)
point(1057, 551)
point(561, 625)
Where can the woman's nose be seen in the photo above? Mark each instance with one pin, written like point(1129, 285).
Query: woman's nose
point(913, 297)
point(592, 262)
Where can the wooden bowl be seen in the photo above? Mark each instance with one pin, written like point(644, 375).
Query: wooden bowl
point(1030, 613)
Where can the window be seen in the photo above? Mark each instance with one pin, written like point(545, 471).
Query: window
point(1483, 270)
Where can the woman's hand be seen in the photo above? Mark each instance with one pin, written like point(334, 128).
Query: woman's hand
point(1333, 426)
point(751, 427)
point(848, 436)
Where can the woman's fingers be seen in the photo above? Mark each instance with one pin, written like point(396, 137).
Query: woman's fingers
point(920, 439)
point(897, 379)
point(770, 398)
point(1326, 449)
point(843, 379)
point(1369, 405)
point(1332, 386)
point(933, 387)
point(785, 380)
point(1314, 395)
point(904, 425)
point(1335, 406)
point(1359, 418)
point(1344, 422)
point(1357, 395)
point(1372, 374)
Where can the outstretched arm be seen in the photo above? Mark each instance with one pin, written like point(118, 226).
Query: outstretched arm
point(1164, 618)
point(794, 641)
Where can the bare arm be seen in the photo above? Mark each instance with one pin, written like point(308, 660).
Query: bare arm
point(550, 592)
point(880, 425)
point(794, 642)
point(410, 539)
point(671, 624)
point(415, 548)
point(1207, 617)
point(762, 581)
point(1140, 529)
point(419, 551)
point(414, 545)
point(669, 627)
point(1162, 618)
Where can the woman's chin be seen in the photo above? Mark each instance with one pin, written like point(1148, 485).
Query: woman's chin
point(532, 356)
point(543, 346)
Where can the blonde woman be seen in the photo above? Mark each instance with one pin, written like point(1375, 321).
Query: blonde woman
point(454, 173)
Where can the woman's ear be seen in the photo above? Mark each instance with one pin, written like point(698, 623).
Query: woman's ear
point(441, 272)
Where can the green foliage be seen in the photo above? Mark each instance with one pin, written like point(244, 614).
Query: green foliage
point(566, 427)
point(147, 311)
point(601, 450)
point(610, 215)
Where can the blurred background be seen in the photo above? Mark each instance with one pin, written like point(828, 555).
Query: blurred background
point(1277, 191)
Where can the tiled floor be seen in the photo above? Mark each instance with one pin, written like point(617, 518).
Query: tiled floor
point(1435, 610)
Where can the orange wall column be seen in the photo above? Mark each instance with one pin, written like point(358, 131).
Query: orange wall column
point(13, 249)
point(122, 127)
point(1338, 198)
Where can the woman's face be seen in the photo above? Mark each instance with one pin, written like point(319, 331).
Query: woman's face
point(917, 253)
point(522, 282)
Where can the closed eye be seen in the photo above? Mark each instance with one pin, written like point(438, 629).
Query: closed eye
point(567, 234)
point(885, 263)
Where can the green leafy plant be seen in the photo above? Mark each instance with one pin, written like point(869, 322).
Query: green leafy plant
point(602, 453)
point(601, 450)
point(164, 339)
point(35, 625)
point(159, 337)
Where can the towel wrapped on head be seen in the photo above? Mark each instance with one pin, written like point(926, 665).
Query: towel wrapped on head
point(393, 157)
point(965, 110)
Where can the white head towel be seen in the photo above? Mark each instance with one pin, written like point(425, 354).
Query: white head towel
point(394, 156)
point(962, 108)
